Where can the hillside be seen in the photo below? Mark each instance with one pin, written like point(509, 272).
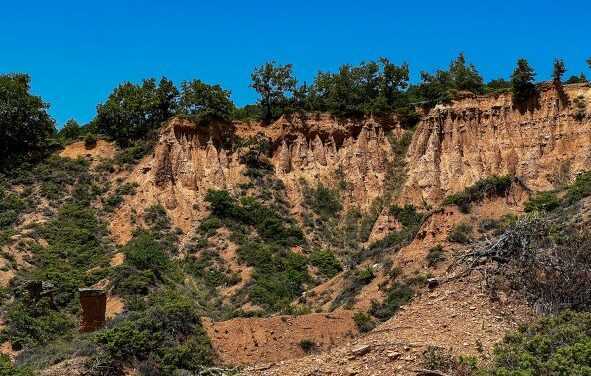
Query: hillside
point(313, 245)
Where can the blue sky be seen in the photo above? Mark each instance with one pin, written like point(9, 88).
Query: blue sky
point(77, 51)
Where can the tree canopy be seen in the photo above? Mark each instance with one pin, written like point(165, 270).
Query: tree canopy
point(275, 83)
point(206, 102)
point(522, 81)
point(25, 125)
point(131, 111)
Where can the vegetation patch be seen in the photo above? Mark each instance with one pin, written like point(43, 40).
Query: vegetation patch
point(491, 186)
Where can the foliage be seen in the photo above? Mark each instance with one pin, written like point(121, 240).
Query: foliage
point(132, 111)
point(499, 85)
point(492, 185)
point(460, 233)
point(544, 201)
point(364, 322)
point(407, 215)
point(442, 86)
point(165, 334)
point(279, 274)
point(35, 323)
point(70, 131)
point(324, 201)
point(326, 262)
point(373, 87)
point(438, 359)
point(307, 345)
point(580, 79)
point(558, 70)
point(435, 255)
point(400, 294)
point(274, 83)
point(552, 345)
point(25, 125)
point(580, 188)
point(7, 369)
point(75, 243)
point(205, 102)
point(522, 82)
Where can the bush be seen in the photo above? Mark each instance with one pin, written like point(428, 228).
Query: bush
point(435, 256)
point(396, 297)
point(90, 141)
point(580, 188)
point(407, 216)
point(460, 233)
point(493, 185)
point(167, 332)
point(307, 345)
point(553, 345)
point(7, 369)
point(326, 262)
point(364, 322)
point(544, 201)
point(439, 359)
point(324, 201)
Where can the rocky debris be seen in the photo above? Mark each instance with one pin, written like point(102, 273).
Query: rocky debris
point(432, 283)
point(361, 350)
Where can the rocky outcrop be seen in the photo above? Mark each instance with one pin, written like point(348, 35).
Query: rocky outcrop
point(456, 145)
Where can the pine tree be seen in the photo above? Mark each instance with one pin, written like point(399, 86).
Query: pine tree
point(522, 82)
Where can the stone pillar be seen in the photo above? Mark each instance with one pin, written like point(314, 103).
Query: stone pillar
point(93, 302)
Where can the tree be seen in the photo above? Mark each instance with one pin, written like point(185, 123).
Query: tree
point(465, 76)
point(131, 111)
point(522, 82)
point(558, 71)
point(25, 125)
point(589, 62)
point(576, 79)
point(498, 85)
point(70, 131)
point(206, 102)
point(274, 83)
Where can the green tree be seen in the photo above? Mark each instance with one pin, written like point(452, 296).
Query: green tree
point(70, 131)
point(522, 82)
point(589, 62)
point(206, 102)
point(131, 111)
point(577, 79)
point(274, 83)
point(558, 70)
point(465, 76)
point(25, 125)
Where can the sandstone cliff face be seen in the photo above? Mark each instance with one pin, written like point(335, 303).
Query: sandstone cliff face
point(454, 146)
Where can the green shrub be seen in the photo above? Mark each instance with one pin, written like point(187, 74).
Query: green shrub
point(167, 332)
point(326, 262)
point(307, 345)
point(435, 256)
point(364, 322)
point(407, 216)
point(35, 324)
point(396, 297)
point(7, 369)
point(460, 233)
point(493, 185)
point(209, 225)
point(90, 141)
point(553, 345)
point(580, 188)
point(324, 201)
point(544, 201)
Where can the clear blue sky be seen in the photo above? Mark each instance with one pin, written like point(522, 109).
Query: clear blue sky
point(77, 51)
